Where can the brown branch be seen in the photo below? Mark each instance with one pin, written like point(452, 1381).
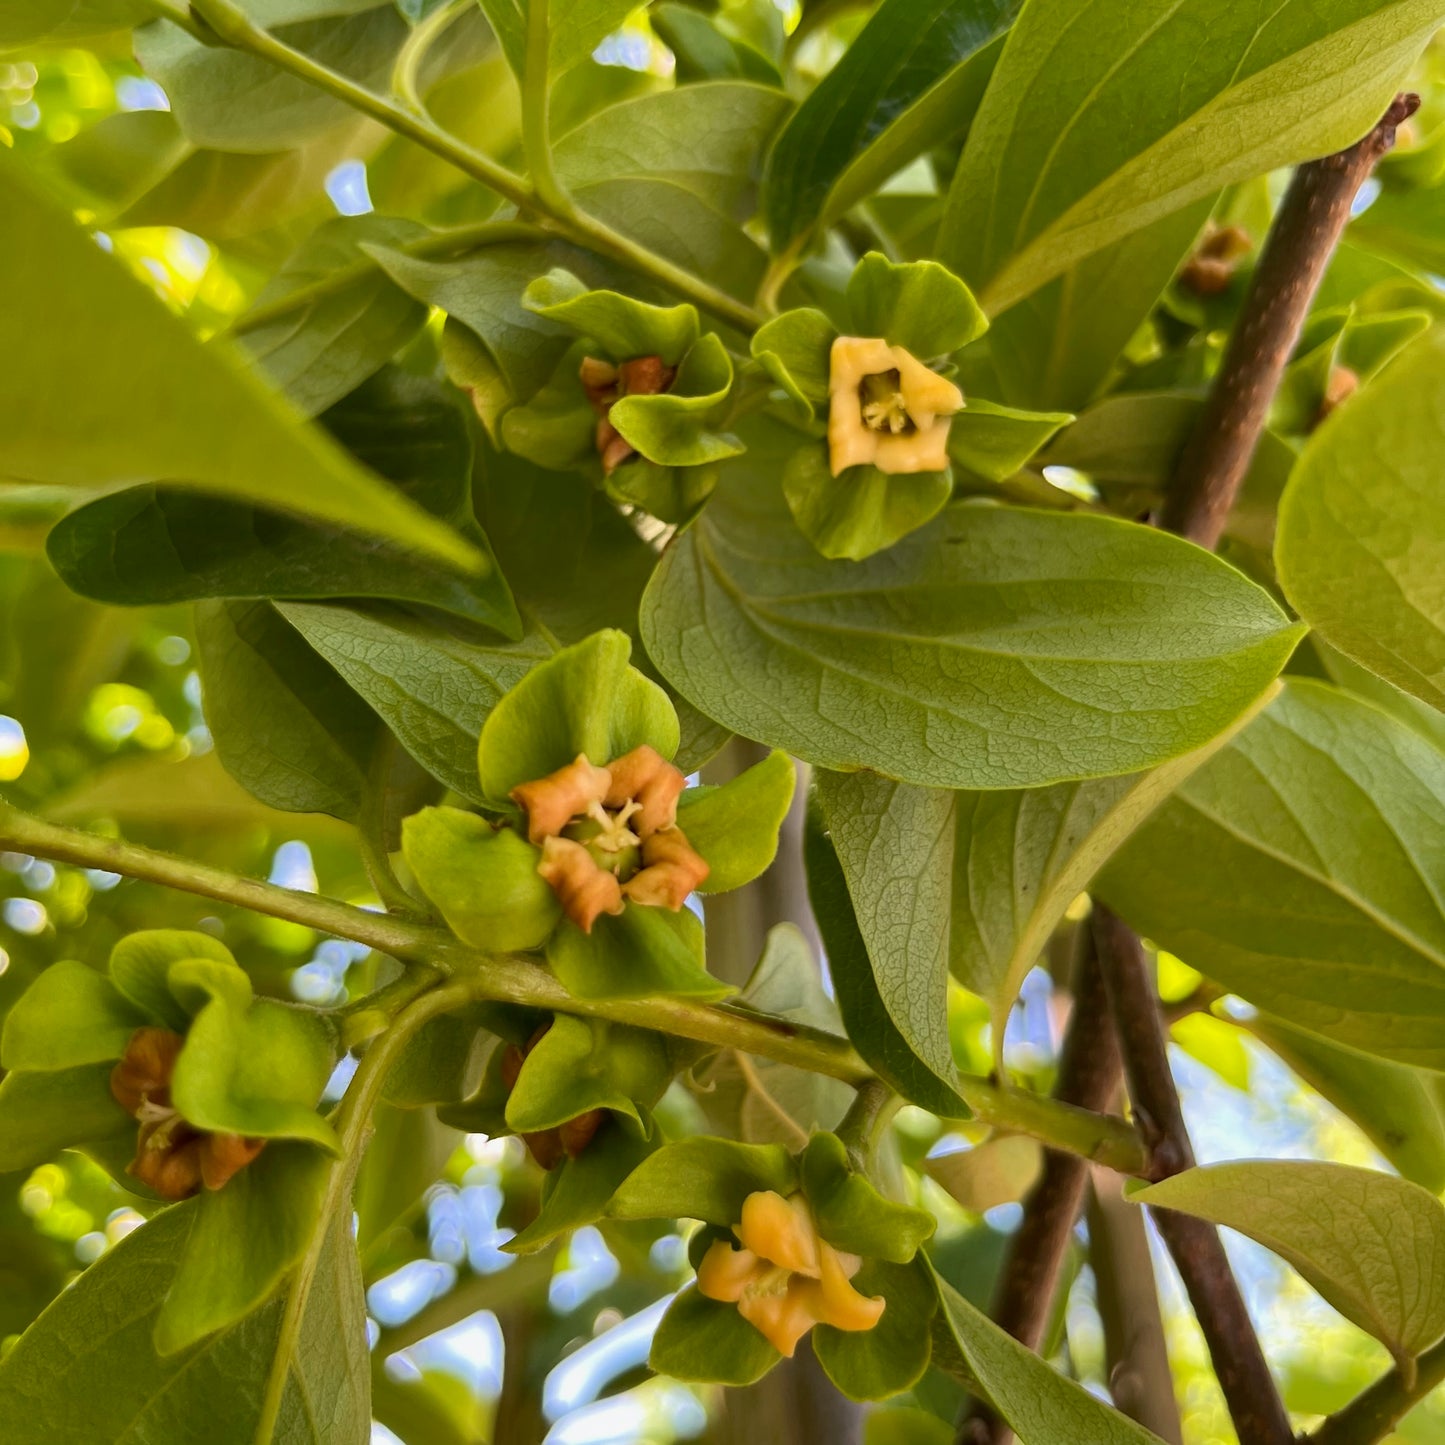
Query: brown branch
point(1374, 1414)
point(1249, 1389)
point(1311, 218)
point(1089, 1072)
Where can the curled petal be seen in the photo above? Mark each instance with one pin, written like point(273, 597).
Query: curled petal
point(612, 447)
point(726, 1272)
point(584, 890)
point(576, 1134)
point(644, 776)
point(783, 1318)
point(834, 1301)
point(169, 1164)
point(223, 1156)
point(780, 1230)
point(143, 1075)
point(552, 802)
point(670, 870)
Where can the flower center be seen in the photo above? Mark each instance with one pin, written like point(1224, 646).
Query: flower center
point(161, 1120)
point(613, 835)
point(880, 398)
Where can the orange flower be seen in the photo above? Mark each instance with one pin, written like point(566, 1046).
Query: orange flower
point(886, 408)
point(610, 835)
point(786, 1278)
point(173, 1157)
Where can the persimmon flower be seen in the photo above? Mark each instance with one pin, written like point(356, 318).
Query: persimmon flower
point(173, 1157)
point(786, 1278)
point(609, 835)
point(606, 384)
point(886, 409)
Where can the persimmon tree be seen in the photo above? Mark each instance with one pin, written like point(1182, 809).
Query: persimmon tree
point(758, 535)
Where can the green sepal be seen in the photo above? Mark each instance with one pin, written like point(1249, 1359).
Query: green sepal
point(586, 699)
point(581, 1064)
point(701, 1339)
point(576, 1192)
point(993, 441)
point(671, 494)
point(198, 982)
point(557, 428)
point(892, 1356)
point(851, 1214)
point(242, 1242)
point(862, 510)
point(795, 349)
point(70, 1015)
point(485, 1112)
point(257, 1072)
point(43, 1113)
point(638, 953)
point(140, 967)
point(670, 427)
point(441, 1063)
point(474, 370)
point(704, 1178)
point(483, 880)
point(735, 827)
point(623, 329)
point(921, 306)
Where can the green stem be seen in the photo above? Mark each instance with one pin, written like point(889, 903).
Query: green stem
point(353, 1124)
point(231, 24)
point(520, 979)
point(863, 1125)
point(536, 113)
point(405, 74)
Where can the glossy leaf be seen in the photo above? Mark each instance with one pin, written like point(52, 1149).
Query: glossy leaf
point(991, 641)
point(69, 396)
point(703, 1178)
point(1371, 1244)
point(1361, 538)
point(1298, 870)
point(70, 1015)
point(1145, 118)
point(43, 1113)
point(914, 63)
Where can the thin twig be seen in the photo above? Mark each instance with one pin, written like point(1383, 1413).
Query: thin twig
point(1311, 219)
point(1254, 1403)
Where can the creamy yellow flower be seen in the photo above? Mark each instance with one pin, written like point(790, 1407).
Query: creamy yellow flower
point(785, 1278)
point(886, 408)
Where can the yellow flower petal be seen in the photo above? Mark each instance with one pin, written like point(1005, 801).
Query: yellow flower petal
point(780, 1230)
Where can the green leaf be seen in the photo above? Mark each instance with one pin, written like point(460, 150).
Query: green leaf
point(243, 1241)
point(1402, 1110)
point(156, 544)
point(702, 50)
point(1295, 869)
point(703, 1178)
point(70, 1015)
point(69, 397)
point(623, 327)
point(434, 683)
point(43, 1113)
point(286, 727)
point(1042, 1406)
point(575, 29)
point(582, 1064)
point(892, 1356)
point(324, 350)
point(1372, 1244)
point(861, 510)
point(483, 880)
point(992, 641)
point(920, 306)
point(1145, 118)
point(639, 952)
point(705, 1340)
point(888, 1043)
point(88, 1369)
point(735, 827)
point(850, 1212)
point(1001, 1170)
point(587, 701)
point(994, 441)
point(907, 82)
point(28, 22)
point(233, 101)
point(140, 967)
point(407, 1155)
point(258, 1073)
point(577, 1191)
point(1361, 536)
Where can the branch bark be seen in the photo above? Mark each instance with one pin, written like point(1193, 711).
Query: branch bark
point(1311, 219)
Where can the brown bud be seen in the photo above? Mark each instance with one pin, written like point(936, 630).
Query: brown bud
point(1342, 385)
point(645, 376)
point(1210, 269)
point(552, 802)
point(612, 446)
point(584, 890)
point(646, 777)
point(576, 1134)
point(671, 869)
point(143, 1075)
point(545, 1148)
point(168, 1161)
